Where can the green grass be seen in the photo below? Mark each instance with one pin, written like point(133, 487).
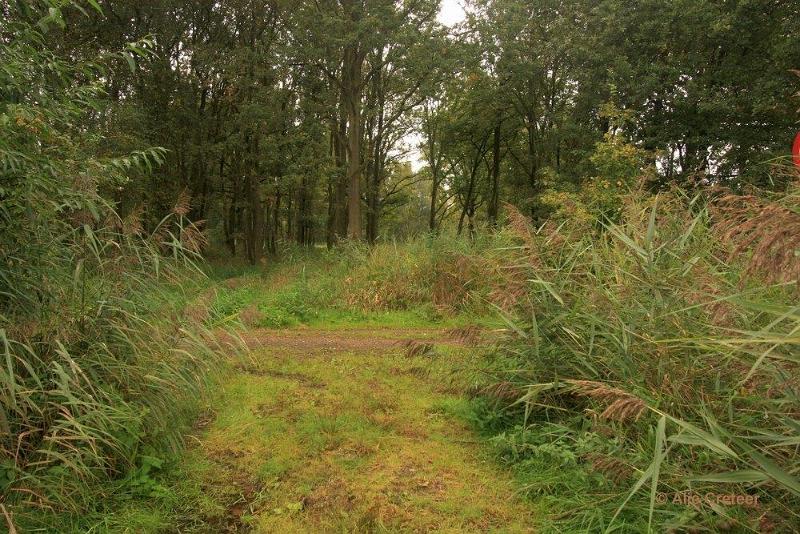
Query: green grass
point(335, 441)
point(647, 311)
point(310, 291)
point(633, 362)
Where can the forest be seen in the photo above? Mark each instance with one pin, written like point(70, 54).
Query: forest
point(400, 266)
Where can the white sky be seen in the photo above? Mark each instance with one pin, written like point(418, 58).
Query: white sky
point(451, 12)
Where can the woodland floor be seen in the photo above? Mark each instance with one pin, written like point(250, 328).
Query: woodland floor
point(352, 430)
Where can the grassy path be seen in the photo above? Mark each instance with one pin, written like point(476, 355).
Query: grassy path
point(346, 430)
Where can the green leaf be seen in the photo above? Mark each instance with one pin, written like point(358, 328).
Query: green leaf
point(733, 477)
point(95, 5)
point(696, 436)
point(775, 472)
point(549, 287)
point(131, 61)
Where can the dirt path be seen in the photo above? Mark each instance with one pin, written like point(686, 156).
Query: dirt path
point(344, 431)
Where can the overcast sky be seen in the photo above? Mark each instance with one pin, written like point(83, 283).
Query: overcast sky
point(451, 12)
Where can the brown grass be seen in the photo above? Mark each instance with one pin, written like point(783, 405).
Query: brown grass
point(502, 391)
point(450, 289)
point(768, 232)
point(612, 468)
point(199, 309)
point(193, 238)
point(183, 204)
point(469, 335)
point(418, 348)
point(621, 405)
point(132, 223)
point(251, 316)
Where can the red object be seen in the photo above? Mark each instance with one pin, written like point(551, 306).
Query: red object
point(796, 150)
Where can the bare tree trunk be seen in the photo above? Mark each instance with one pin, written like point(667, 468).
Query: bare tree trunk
point(330, 235)
point(352, 73)
point(353, 64)
point(255, 226)
point(494, 201)
point(289, 218)
point(341, 182)
point(434, 155)
point(469, 201)
point(434, 195)
point(303, 215)
point(276, 223)
point(337, 184)
point(374, 185)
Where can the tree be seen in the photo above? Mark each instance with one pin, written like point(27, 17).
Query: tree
point(386, 50)
point(709, 82)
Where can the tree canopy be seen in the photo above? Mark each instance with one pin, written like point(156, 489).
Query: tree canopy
point(292, 121)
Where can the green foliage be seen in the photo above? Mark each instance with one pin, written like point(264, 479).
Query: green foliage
point(143, 480)
point(635, 362)
point(99, 359)
point(685, 69)
point(643, 357)
point(620, 168)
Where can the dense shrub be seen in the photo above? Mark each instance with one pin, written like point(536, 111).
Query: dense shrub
point(100, 366)
point(644, 358)
point(650, 358)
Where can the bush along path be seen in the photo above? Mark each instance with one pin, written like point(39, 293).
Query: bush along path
point(353, 429)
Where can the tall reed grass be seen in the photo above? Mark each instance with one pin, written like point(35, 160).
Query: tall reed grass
point(661, 355)
point(100, 366)
point(655, 358)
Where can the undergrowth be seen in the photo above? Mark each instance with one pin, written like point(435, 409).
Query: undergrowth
point(646, 364)
point(643, 365)
point(435, 280)
point(649, 379)
point(101, 368)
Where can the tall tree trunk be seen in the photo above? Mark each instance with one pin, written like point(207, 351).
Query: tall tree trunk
point(289, 218)
point(303, 216)
point(230, 224)
point(374, 186)
point(255, 226)
point(471, 220)
point(494, 201)
point(434, 155)
point(533, 168)
point(330, 234)
point(468, 200)
point(351, 88)
point(338, 184)
point(276, 223)
point(434, 195)
point(269, 205)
